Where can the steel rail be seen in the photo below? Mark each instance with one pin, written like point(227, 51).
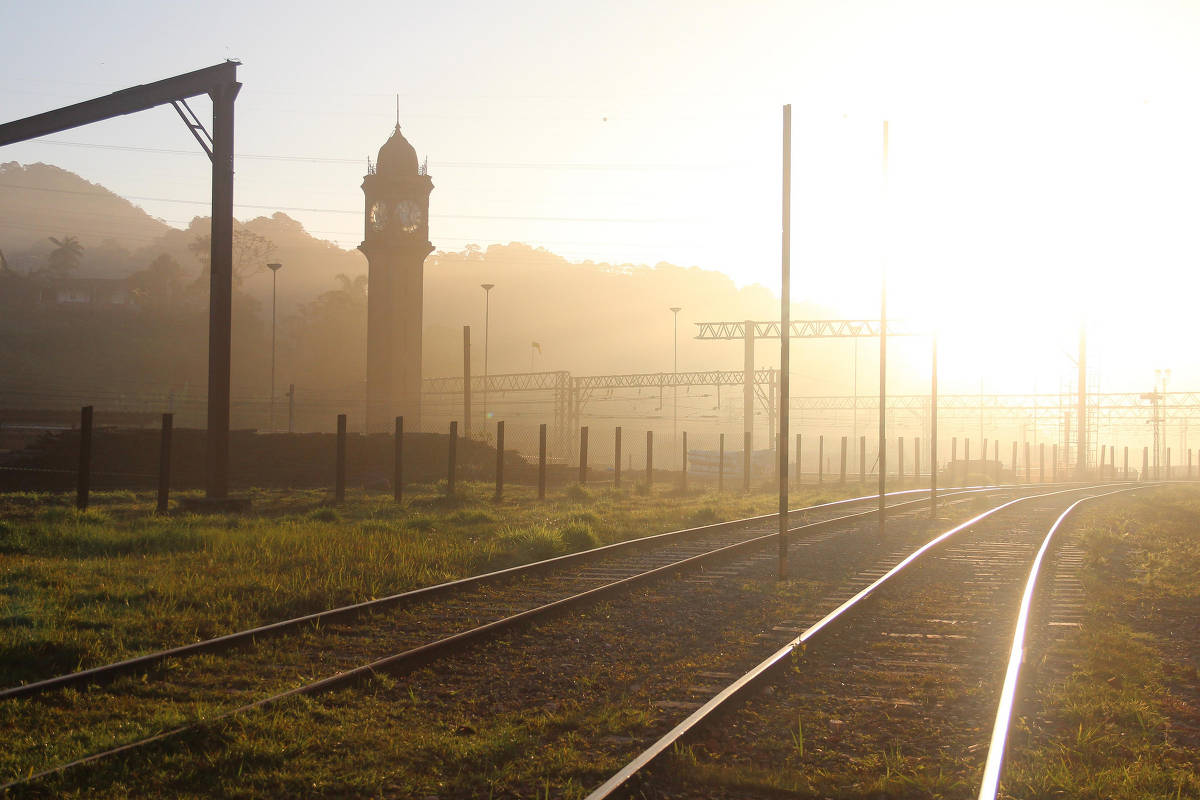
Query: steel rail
point(996, 747)
point(764, 669)
point(423, 654)
point(240, 638)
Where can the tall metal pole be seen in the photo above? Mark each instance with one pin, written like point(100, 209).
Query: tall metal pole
point(1081, 456)
point(487, 313)
point(1163, 408)
point(883, 353)
point(854, 423)
point(933, 445)
point(675, 384)
point(274, 273)
point(784, 339)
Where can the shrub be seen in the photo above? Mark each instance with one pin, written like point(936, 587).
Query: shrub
point(578, 493)
point(532, 543)
point(578, 536)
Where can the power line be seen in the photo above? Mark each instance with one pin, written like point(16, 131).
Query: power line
point(436, 164)
point(358, 212)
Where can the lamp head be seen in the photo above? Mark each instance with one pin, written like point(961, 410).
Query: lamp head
point(274, 267)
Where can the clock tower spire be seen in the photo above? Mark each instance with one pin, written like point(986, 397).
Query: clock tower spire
point(395, 242)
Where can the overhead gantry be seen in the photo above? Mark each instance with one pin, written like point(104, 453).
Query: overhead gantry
point(220, 83)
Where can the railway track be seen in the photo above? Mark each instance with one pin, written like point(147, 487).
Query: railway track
point(139, 702)
point(895, 688)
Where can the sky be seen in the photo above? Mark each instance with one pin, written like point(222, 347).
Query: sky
point(1041, 166)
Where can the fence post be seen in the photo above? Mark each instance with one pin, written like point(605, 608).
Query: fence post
point(721, 465)
point(900, 462)
point(164, 463)
point(954, 459)
point(583, 442)
point(683, 471)
point(499, 459)
point(1145, 462)
point(339, 475)
point(862, 459)
point(452, 465)
point(821, 459)
point(1126, 462)
point(1041, 462)
point(917, 459)
point(83, 483)
point(1054, 461)
point(649, 460)
point(542, 461)
point(617, 457)
point(1028, 465)
point(398, 461)
point(842, 473)
point(799, 441)
point(747, 441)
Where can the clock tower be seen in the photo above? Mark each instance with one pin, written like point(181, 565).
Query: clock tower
point(395, 242)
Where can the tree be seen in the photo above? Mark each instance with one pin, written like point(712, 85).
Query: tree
point(325, 341)
point(158, 285)
point(65, 256)
point(250, 254)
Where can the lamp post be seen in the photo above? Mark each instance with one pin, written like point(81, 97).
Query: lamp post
point(274, 274)
point(487, 310)
point(675, 381)
point(1165, 374)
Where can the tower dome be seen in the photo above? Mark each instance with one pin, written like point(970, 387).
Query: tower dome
point(397, 158)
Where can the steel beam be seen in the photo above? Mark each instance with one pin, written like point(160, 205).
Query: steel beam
point(126, 101)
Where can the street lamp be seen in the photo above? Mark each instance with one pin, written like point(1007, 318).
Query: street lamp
point(1165, 374)
point(274, 274)
point(487, 296)
point(675, 383)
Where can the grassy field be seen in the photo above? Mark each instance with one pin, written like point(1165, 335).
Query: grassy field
point(1124, 724)
point(83, 589)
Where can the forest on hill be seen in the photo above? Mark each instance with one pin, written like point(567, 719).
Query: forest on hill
point(546, 313)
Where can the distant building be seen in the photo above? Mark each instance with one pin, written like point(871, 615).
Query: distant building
point(89, 292)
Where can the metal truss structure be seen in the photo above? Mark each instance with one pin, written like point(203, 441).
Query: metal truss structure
point(571, 394)
point(801, 329)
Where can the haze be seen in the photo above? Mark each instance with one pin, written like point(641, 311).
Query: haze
point(1040, 171)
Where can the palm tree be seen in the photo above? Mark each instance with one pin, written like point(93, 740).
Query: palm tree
point(65, 256)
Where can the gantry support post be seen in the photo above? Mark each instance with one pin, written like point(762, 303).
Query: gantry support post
point(220, 290)
point(748, 381)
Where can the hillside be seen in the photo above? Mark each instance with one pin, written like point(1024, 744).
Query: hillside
point(41, 200)
point(587, 318)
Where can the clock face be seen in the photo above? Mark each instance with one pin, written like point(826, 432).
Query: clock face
point(378, 216)
point(409, 215)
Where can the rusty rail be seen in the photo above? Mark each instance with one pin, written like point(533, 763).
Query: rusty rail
point(996, 747)
point(424, 654)
point(763, 671)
